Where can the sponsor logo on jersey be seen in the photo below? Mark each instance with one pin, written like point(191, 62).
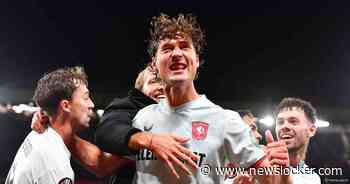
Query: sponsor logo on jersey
point(146, 154)
point(199, 130)
point(65, 181)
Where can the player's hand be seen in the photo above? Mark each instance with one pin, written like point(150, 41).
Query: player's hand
point(243, 178)
point(170, 149)
point(277, 151)
point(39, 121)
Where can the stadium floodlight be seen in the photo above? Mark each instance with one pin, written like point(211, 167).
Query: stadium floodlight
point(267, 120)
point(321, 123)
point(100, 112)
point(24, 107)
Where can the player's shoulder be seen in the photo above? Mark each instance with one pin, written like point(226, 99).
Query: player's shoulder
point(34, 142)
point(148, 109)
point(51, 158)
point(35, 152)
point(206, 105)
point(48, 145)
point(231, 114)
point(151, 107)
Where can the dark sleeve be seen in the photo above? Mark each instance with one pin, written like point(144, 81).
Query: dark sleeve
point(114, 131)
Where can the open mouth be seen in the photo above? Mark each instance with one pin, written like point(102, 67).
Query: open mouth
point(286, 136)
point(160, 96)
point(178, 66)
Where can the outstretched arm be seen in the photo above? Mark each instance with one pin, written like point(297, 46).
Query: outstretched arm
point(116, 134)
point(94, 159)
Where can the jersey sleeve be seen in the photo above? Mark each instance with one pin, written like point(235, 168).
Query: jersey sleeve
point(239, 143)
point(140, 120)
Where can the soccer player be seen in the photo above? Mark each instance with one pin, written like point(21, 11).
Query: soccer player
point(175, 46)
point(44, 158)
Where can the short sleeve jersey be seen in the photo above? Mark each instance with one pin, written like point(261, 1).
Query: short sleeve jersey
point(216, 135)
point(41, 159)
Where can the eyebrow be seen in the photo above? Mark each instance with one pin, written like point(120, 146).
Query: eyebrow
point(165, 44)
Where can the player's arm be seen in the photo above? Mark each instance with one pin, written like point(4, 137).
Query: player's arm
point(114, 131)
point(94, 159)
point(116, 134)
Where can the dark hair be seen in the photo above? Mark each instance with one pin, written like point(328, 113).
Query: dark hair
point(163, 27)
point(58, 85)
point(291, 102)
point(245, 112)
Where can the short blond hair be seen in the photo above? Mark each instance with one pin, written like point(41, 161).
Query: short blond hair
point(140, 80)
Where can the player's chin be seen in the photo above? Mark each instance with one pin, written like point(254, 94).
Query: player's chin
point(82, 126)
point(178, 80)
point(290, 145)
point(86, 122)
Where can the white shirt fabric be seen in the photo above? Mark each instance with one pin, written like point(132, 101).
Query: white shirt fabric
point(302, 175)
point(41, 159)
point(214, 132)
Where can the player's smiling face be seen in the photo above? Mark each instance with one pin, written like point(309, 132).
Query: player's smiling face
point(294, 128)
point(176, 60)
point(153, 87)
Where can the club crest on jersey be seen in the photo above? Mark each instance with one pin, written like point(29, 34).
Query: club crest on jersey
point(199, 130)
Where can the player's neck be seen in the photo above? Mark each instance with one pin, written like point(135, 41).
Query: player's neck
point(178, 95)
point(296, 156)
point(63, 127)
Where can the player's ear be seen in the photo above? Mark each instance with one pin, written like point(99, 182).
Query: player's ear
point(197, 61)
point(64, 105)
point(312, 130)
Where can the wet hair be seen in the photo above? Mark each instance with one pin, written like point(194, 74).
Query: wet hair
point(290, 102)
point(164, 26)
point(58, 85)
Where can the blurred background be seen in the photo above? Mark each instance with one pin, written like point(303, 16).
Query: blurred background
point(257, 53)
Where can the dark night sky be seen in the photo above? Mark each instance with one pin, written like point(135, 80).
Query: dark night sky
point(256, 50)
